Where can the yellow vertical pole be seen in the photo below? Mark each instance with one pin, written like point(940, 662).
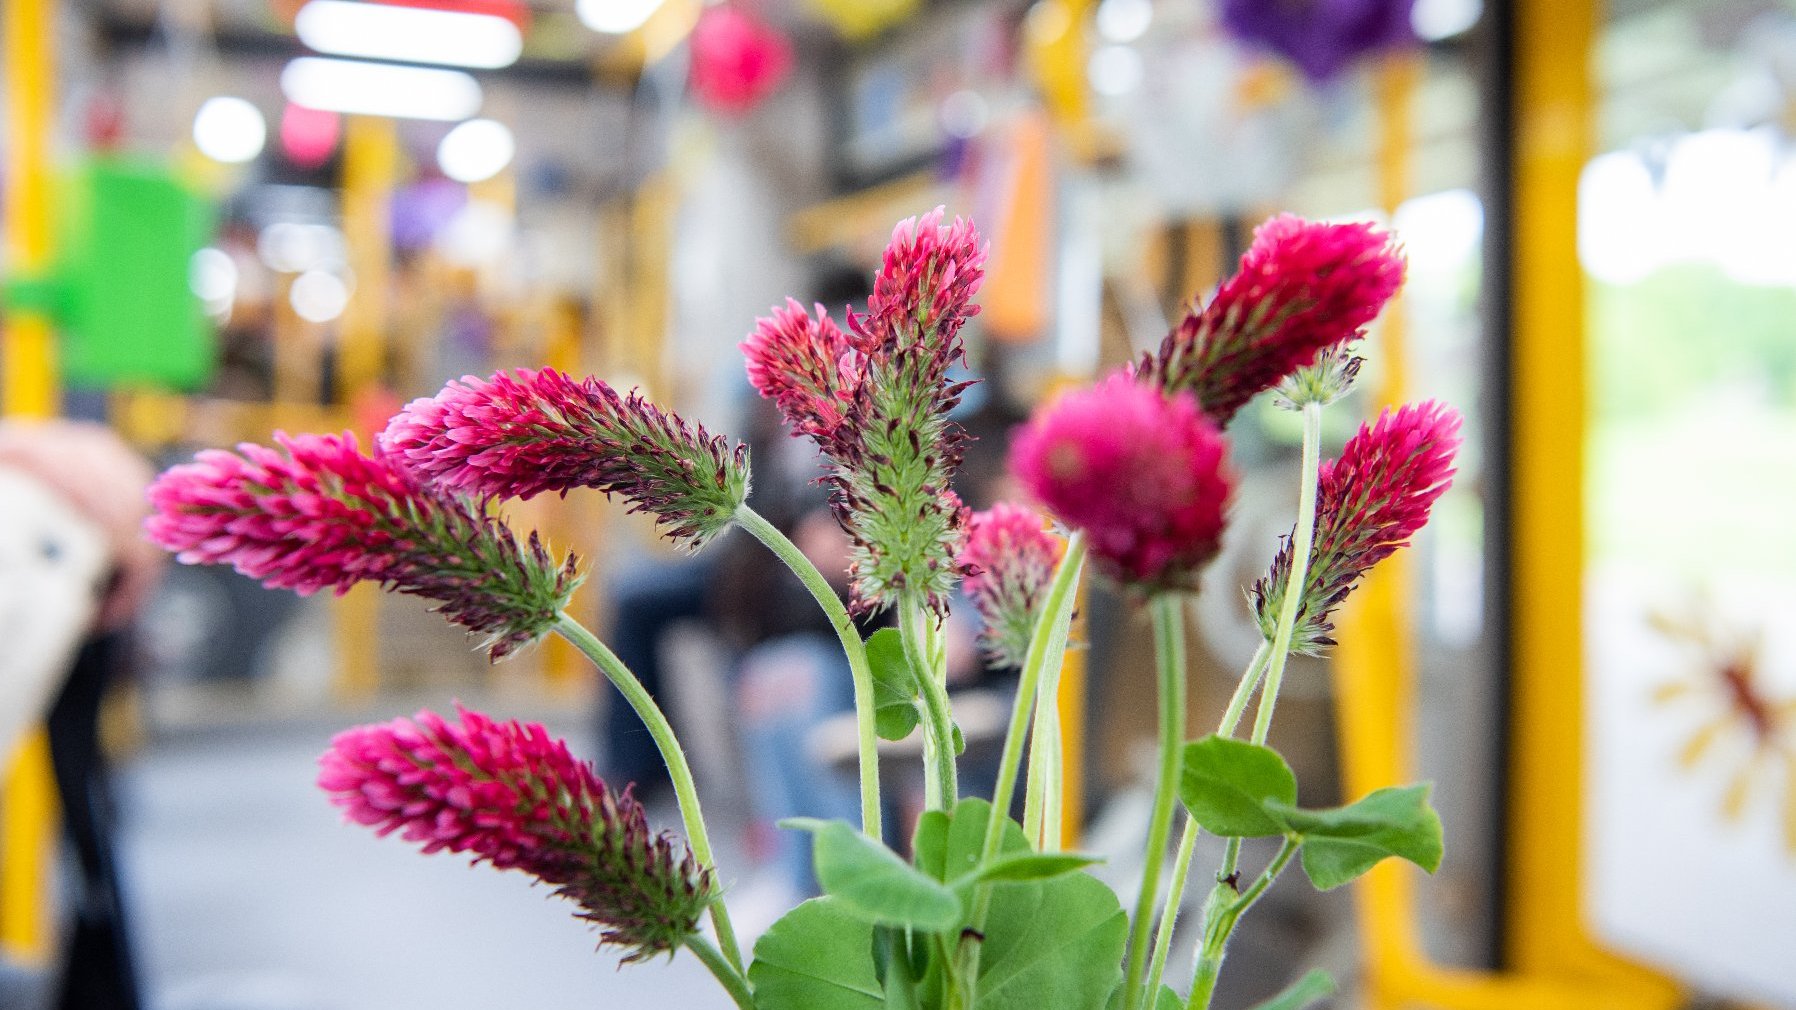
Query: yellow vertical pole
point(1554, 139)
point(1071, 700)
point(370, 164)
point(27, 794)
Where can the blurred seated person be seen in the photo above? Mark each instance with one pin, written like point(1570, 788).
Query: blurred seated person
point(74, 569)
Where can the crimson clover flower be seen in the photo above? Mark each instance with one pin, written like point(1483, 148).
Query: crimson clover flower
point(1302, 286)
point(1142, 473)
point(1369, 503)
point(876, 398)
point(520, 434)
point(1009, 558)
point(318, 513)
point(511, 795)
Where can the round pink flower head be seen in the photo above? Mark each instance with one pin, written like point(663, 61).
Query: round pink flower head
point(318, 513)
point(1143, 474)
point(1009, 557)
point(509, 794)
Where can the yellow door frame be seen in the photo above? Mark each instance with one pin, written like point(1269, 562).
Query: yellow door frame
point(1552, 963)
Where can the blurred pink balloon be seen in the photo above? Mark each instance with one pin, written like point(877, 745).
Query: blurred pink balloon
point(737, 59)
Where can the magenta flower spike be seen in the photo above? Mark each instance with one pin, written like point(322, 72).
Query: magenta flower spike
point(1143, 474)
point(318, 513)
point(509, 794)
point(807, 366)
point(1369, 503)
point(518, 435)
point(924, 289)
point(1302, 286)
point(1009, 558)
point(876, 400)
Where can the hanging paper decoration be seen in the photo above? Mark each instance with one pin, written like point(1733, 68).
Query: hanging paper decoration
point(737, 59)
point(309, 136)
point(1323, 37)
point(856, 20)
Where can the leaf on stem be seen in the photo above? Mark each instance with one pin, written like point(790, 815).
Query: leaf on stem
point(894, 686)
point(1341, 843)
point(1311, 987)
point(816, 957)
point(1017, 866)
point(872, 882)
point(1227, 785)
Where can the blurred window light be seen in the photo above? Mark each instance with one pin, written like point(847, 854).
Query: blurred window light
point(1438, 20)
point(964, 114)
point(409, 34)
point(615, 17)
point(1124, 20)
point(229, 129)
point(1114, 70)
point(1618, 232)
point(318, 296)
point(212, 276)
point(1441, 231)
point(476, 150)
point(290, 247)
point(379, 89)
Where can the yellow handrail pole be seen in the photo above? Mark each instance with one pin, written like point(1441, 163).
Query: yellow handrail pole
point(370, 163)
point(27, 795)
point(1554, 139)
point(1070, 697)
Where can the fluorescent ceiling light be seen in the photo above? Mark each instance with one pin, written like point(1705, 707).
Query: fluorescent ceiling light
point(615, 17)
point(409, 34)
point(380, 89)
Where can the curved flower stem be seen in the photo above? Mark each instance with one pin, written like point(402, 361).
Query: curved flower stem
point(727, 974)
point(941, 785)
point(1169, 647)
point(1301, 542)
point(852, 646)
point(671, 754)
point(1181, 867)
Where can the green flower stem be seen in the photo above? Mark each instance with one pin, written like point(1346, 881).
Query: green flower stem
point(671, 754)
point(727, 974)
point(1181, 867)
point(1047, 776)
point(1220, 915)
point(941, 787)
point(852, 646)
point(1169, 648)
point(1047, 649)
point(1301, 542)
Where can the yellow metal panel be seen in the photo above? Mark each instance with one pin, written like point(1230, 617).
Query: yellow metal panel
point(25, 851)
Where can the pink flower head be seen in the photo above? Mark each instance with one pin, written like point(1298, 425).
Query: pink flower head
point(317, 513)
point(1009, 559)
point(1302, 286)
point(1369, 502)
point(1143, 474)
point(517, 435)
point(925, 286)
point(876, 400)
point(737, 60)
point(511, 795)
point(806, 366)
